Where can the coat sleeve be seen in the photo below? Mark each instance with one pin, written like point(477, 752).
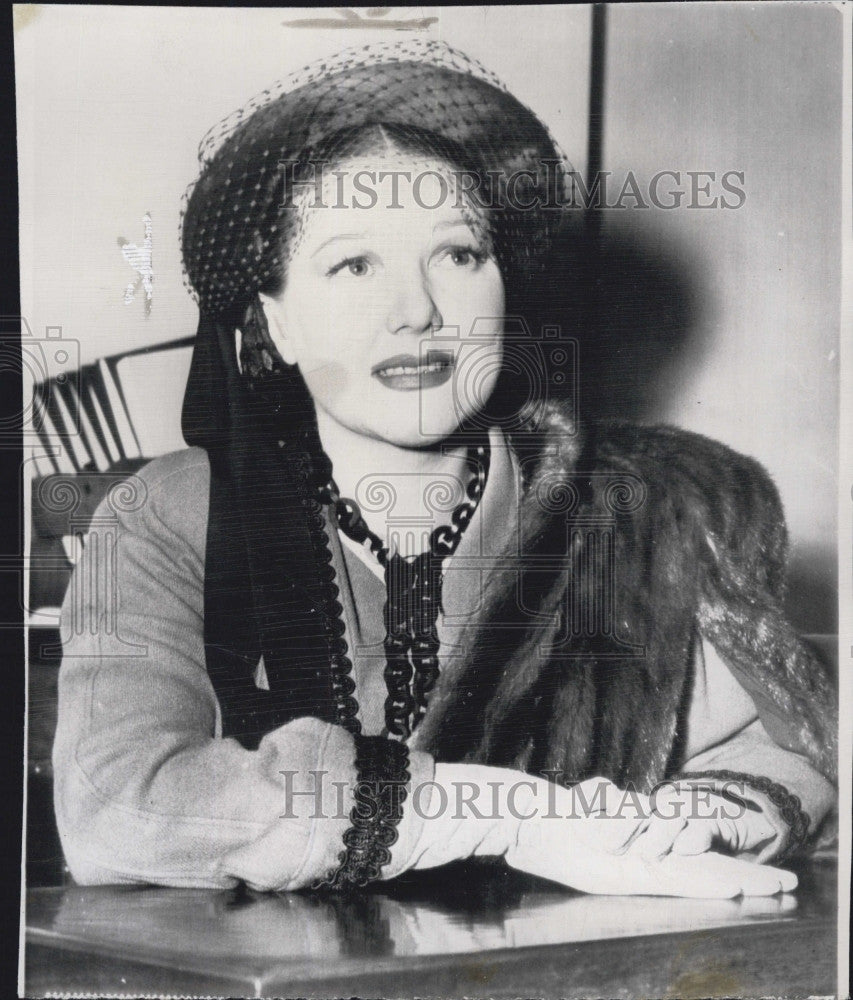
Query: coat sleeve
point(717, 517)
point(779, 700)
point(146, 790)
point(742, 548)
point(725, 736)
point(775, 711)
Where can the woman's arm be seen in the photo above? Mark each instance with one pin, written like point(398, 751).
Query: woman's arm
point(145, 790)
point(727, 743)
point(761, 704)
point(766, 800)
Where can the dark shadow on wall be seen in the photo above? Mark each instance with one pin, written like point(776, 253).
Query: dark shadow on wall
point(633, 303)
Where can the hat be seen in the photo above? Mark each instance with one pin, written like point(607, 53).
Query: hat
point(231, 221)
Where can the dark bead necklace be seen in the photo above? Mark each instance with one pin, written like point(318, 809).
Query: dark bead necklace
point(413, 597)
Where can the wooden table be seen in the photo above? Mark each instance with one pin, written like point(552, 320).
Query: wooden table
point(466, 930)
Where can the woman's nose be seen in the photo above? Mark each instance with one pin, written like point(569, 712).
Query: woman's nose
point(412, 307)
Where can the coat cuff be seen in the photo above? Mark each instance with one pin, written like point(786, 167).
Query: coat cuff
point(781, 807)
point(334, 782)
point(415, 810)
point(328, 848)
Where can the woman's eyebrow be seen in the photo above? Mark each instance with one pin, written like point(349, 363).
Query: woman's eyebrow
point(338, 236)
point(451, 224)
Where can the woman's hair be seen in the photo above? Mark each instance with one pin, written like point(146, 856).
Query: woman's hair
point(483, 203)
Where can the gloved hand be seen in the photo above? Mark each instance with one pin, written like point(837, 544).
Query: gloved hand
point(594, 851)
point(689, 819)
point(583, 837)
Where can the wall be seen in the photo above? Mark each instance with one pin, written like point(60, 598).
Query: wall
point(739, 337)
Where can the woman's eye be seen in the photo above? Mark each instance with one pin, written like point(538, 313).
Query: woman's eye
point(359, 267)
point(463, 257)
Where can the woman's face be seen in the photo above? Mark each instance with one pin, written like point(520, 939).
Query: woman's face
point(393, 312)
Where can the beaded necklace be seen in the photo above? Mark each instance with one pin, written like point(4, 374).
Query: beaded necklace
point(413, 598)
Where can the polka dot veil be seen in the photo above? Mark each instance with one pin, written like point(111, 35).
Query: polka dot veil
point(236, 216)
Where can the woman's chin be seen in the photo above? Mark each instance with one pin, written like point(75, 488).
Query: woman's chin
point(416, 438)
point(406, 427)
point(422, 433)
point(409, 434)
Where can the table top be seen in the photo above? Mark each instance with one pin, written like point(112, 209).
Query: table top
point(467, 929)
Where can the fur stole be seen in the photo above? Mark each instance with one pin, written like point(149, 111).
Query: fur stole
point(632, 540)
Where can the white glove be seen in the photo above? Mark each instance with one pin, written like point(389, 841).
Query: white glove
point(592, 851)
point(581, 837)
point(691, 819)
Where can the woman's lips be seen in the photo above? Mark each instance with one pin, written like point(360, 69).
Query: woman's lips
point(405, 372)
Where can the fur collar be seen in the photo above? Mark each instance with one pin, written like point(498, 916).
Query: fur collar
point(632, 539)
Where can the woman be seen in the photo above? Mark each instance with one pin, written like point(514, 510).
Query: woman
point(515, 629)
